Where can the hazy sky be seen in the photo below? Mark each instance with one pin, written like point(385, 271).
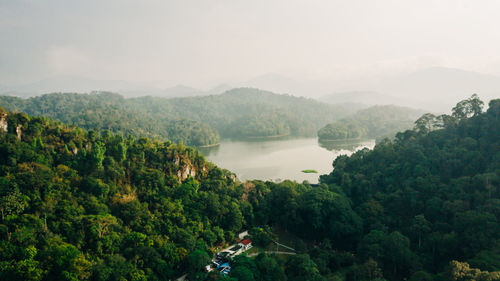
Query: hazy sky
point(206, 42)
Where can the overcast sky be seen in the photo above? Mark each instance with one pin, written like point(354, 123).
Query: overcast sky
point(206, 42)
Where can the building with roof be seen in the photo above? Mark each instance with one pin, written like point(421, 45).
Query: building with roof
point(246, 244)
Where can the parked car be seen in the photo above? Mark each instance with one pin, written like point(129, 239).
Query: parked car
point(224, 268)
point(223, 256)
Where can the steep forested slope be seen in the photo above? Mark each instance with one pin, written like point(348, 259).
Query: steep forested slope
point(78, 205)
point(373, 122)
point(436, 187)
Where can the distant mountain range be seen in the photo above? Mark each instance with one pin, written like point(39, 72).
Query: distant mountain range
point(436, 88)
point(439, 88)
point(285, 85)
point(361, 97)
point(72, 84)
point(75, 84)
point(179, 91)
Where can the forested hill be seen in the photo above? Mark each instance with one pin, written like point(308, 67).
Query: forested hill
point(78, 205)
point(436, 188)
point(238, 113)
point(108, 111)
point(374, 122)
point(248, 112)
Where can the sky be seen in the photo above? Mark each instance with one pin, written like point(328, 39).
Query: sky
point(207, 42)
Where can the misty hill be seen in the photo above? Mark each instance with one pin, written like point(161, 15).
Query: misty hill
point(238, 113)
point(67, 83)
point(438, 88)
point(361, 97)
point(280, 84)
point(107, 111)
point(249, 112)
point(181, 91)
point(177, 91)
point(294, 86)
point(373, 122)
point(435, 88)
point(77, 84)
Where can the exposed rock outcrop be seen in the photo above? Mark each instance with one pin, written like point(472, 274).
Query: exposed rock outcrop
point(3, 122)
point(19, 132)
point(187, 170)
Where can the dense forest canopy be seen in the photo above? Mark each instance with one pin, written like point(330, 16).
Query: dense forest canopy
point(374, 122)
point(260, 112)
point(81, 205)
point(238, 113)
point(437, 187)
point(108, 111)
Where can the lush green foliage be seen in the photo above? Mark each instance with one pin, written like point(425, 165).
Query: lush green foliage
point(78, 205)
point(373, 122)
point(107, 111)
point(246, 112)
point(436, 191)
point(310, 171)
point(82, 205)
point(238, 113)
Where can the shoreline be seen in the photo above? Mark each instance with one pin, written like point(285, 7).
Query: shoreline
point(268, 137)
point(209, 145)
point(331, 140)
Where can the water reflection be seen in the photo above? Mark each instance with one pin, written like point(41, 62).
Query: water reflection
point(273, 159)
point(350, 145)
point(209, 150)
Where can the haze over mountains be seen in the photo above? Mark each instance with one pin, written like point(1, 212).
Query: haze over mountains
point(434, 89)
point(80, 84)
point(237, 113)
point(264, 140)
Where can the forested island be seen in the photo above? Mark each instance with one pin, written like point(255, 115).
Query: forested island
point(374, 122)
point(239, 113)
point(83, 205)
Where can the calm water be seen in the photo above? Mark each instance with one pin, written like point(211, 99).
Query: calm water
point(281, 159)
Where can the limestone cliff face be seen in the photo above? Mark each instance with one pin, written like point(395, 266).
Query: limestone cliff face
point(19, 132)
point(3, 122)
point(187, 170)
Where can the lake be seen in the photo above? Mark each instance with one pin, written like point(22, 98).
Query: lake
point(280, 159)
